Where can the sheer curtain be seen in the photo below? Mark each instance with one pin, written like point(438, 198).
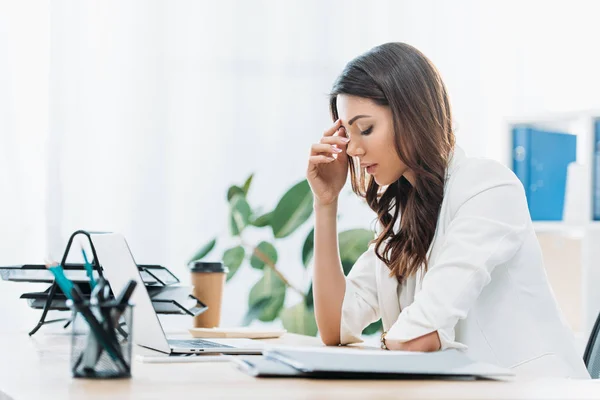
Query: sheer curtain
point(24, 62)
point(158, 107)
point(24, 52)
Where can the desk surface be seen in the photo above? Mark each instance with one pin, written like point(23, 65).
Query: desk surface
point(38, 367)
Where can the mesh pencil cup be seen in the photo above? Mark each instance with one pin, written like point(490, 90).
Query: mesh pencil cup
point(101, 340)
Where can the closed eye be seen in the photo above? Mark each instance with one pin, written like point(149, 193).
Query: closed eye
point(367, 131)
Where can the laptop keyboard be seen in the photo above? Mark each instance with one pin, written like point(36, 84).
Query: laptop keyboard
point(196, 344)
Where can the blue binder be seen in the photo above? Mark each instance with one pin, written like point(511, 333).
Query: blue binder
point(540, 161)
point(596, 172)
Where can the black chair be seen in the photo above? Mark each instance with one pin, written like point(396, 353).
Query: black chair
point(591, 356)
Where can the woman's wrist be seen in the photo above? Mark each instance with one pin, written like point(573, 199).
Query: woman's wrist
point(318, 206)
point(382, 340)
point(426, 343)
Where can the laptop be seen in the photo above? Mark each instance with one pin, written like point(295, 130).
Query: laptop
point(119, 267)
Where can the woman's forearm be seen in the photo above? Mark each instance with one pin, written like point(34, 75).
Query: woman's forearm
point(428, 342)
point(329, 283)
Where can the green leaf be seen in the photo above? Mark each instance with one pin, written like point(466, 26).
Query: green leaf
point(347, 266)
point(233, 190)
point(273, 289)
point(299, 319)
point(294, 208)
point(204, 250)
point(353, 243)
point(309, 297)
point(373, 328)
point(240, 214)
point(247, 184)
point(263, 220)
point(267, 250)
point(254, 311)
point(308, 248)
point(232, 259)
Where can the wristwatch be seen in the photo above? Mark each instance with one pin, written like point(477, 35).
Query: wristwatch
point(383, 346)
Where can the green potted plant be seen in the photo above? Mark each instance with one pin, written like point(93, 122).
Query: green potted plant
point(267, 296)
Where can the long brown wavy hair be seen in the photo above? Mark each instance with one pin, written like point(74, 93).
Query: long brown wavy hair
point(399, 76)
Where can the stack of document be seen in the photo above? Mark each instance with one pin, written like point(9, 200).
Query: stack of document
point(347, 363)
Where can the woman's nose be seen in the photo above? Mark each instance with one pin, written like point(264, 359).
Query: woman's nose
point(354, 149)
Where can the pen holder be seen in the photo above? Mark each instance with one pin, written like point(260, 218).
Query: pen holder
point(103, 349)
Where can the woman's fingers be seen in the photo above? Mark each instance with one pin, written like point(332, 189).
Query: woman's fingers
point(333, 129)
point(331, 144)
point(339, 140)
point(320, 159)
point(319, 148)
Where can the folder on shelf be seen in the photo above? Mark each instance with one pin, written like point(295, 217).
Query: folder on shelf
point(596, 172)
point(540, 160)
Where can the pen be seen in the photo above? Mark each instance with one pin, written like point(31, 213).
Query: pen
point(92, 351)
point(89, 270)
point(123, 298)
point(112, 310)
point(121, 302)
point(101, 335)
point(101, 309)
point(59, 276)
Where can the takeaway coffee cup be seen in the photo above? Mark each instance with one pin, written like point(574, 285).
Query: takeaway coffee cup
point(208, 279)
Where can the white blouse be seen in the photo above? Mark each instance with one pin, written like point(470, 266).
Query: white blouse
point(485, 291)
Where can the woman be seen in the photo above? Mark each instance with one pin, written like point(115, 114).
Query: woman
point(456, 262)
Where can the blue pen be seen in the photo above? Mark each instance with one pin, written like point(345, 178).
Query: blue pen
point(88, 269)
point(63, 282)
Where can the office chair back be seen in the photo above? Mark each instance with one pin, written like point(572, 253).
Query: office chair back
point(591, 356)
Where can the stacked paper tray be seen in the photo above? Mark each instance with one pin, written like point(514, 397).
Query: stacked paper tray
point(151, 274)
point(167, 296)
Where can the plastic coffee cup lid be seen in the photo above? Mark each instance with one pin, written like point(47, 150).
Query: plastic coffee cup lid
point(206, 266)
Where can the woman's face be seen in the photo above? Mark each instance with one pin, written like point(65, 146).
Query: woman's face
point(370, 129)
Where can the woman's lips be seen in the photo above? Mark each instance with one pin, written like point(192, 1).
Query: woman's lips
point(371, 169)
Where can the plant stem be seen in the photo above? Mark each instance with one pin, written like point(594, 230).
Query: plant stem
point(265, 258)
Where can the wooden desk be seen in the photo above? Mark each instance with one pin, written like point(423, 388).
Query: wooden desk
point(38, 368)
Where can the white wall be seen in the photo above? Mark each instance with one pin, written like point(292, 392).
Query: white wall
point(505, 58)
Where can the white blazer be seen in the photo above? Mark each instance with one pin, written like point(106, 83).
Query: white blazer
point(486, 290)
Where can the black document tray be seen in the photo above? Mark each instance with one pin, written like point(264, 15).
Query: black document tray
point(151, 274)
point(165, 300)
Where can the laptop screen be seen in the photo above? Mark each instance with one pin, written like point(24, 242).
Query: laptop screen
point(119, 267)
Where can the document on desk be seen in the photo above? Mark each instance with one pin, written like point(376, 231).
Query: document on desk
point(368, 364)
point(183, 358)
